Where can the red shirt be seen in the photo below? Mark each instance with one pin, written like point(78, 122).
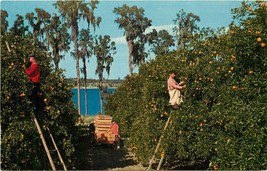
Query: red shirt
point(34, 73)
point(114, 129)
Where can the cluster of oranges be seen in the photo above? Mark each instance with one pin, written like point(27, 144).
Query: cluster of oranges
point(259, 40)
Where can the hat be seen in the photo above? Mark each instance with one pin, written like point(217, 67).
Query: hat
point(31, 55)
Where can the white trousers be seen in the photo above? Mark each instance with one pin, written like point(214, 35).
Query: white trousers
point(175, 97)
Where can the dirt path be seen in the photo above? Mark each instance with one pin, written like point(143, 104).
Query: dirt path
point(107, 158)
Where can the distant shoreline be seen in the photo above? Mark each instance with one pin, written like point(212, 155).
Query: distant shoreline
point(93, 87)
point(94, 83)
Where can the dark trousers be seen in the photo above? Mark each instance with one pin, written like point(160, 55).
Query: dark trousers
point(35, 98)
point(117, 141)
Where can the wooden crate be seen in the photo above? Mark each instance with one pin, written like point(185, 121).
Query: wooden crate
point(103, 134)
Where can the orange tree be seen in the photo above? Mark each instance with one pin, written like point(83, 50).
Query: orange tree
point(21, 147)
point(241, 144)
point(222, 123)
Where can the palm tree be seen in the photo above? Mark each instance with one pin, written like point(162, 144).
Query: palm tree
point(56, 34)
point(72, 12)
point(104, 51)
point(44, 18)
point(132, 20)
point(186, 25)
point(38, 23)
point(86, 44)
point(58, 39)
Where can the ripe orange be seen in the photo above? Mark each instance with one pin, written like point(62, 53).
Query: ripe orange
point(250, 9)
point(45, 100)
point(258, 32)
point(22, 95)
point(262, 5)
point(215, 167)
point(233, 58)
point(263, 44)
point(234, 87)
point(250, 72)
point(259, 39)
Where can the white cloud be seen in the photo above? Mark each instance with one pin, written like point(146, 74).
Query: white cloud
point(122, 40)
point(162, 27)
point(119, 40)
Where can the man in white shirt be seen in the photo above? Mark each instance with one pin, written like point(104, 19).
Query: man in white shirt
point(174, 91)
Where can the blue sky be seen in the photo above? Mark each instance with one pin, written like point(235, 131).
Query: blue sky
point(162, 13)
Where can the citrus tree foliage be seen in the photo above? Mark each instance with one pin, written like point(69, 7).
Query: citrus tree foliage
point(21, 147)
point(222, 123)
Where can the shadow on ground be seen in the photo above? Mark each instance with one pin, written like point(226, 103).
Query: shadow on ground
point(101, 157)
point(106, 157)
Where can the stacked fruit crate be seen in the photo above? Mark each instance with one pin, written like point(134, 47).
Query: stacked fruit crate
point(103, 133)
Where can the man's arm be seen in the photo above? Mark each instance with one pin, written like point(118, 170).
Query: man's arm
point(31, 70)
point(181, 83)
point(173, 83)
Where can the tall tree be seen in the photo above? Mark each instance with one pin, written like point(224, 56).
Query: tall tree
point(38, 23)
point(104, 51)
point(18, 27)
point(86, 51)
point(58, 39)
point(161, 41)
point(132, 20)
point(72, 12)
point(185, 27)
point(4, 22)
point(45, 19)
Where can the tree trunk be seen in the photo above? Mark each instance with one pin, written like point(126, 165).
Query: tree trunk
point(75, 39)
point(130, 46)
point(85, 90)
point(85, 100)
point(101, 95)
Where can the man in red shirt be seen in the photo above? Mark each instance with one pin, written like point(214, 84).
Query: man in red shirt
point(33, 73)
point(174, 91)
point(115, 130)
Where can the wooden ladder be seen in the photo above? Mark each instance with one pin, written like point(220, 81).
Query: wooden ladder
point(157, 148)
point(46, 148)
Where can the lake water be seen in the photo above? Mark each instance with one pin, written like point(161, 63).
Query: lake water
point(93, 100)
